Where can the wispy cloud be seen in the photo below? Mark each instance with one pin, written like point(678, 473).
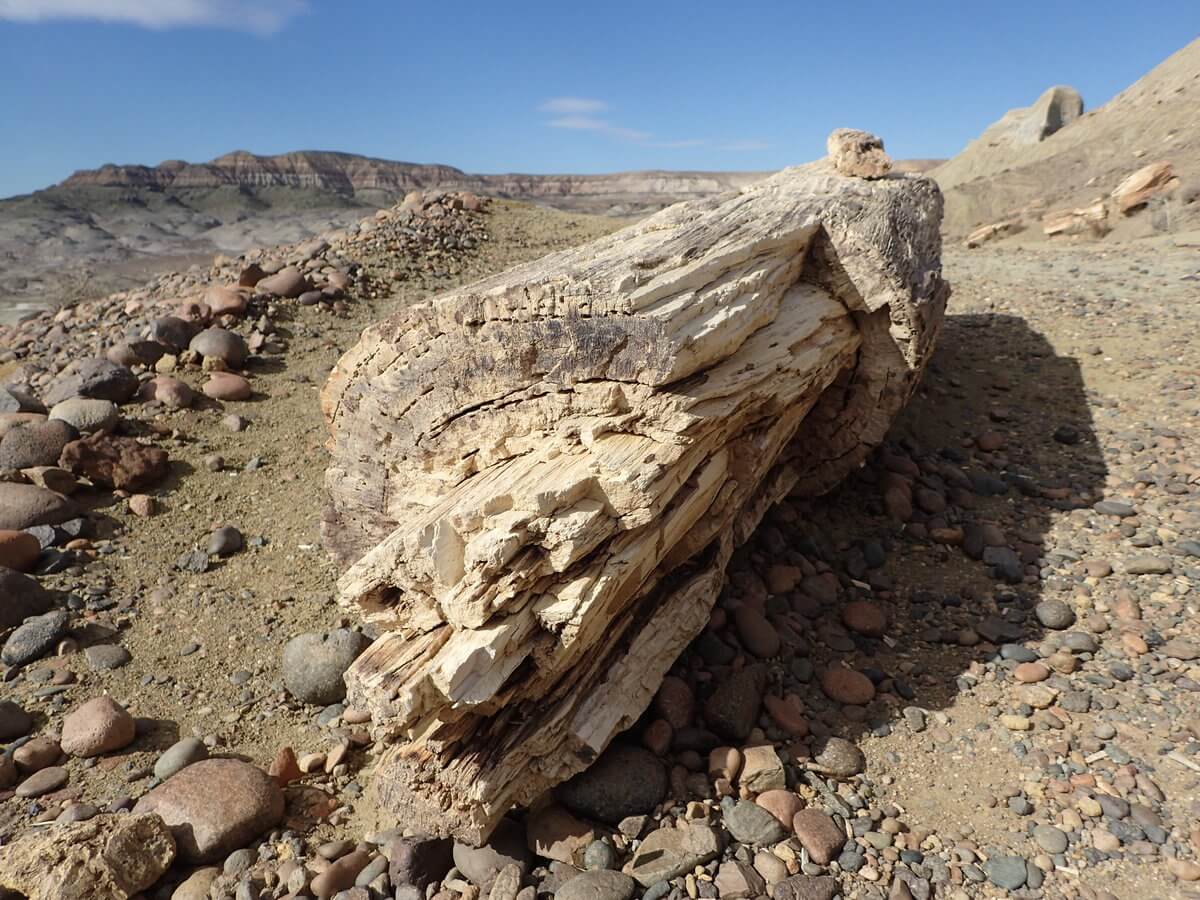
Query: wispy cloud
point(573, 106)
point(584, 114)
point(260, 16)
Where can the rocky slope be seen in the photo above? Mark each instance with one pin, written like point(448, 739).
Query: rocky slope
point(1052, 157)
point(108, 228)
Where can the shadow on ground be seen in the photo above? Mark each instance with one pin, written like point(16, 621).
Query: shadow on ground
point(942, 531)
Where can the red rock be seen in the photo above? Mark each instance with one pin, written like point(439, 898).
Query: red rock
point(284, 767)
point(289, 282)
point(215, 806)
point(844, 685)
point(675, 702)
point(865, 617)
point(225, 301)
point(170, 392)
point(115, 462)
point(227, 386)
point(657, 737)
point(143, 505)
point(756, 634)
point(340, 876)
point(18, 550)
point(787, 713)
point(98, 726)
point(990, 441)
point(819, 835)
point(1031, 672)
point(782, 804)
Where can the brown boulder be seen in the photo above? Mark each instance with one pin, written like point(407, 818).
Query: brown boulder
point(101, 725)
point(18, 550)
point(115, 462)
point(289, 282)
point(847, 686)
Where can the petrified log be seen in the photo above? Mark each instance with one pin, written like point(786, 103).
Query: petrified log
point(538, 480)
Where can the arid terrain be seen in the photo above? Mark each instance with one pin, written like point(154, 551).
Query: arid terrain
point(971, 670)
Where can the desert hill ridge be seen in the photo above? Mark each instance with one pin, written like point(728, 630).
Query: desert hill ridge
point(1018, 172)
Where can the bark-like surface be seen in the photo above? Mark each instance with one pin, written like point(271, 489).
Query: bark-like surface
point(538, 480)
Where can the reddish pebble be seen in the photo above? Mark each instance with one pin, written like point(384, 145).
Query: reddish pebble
point(847, 686)
point(1031, 672)
point(284, 768)
point(18, 550)
point(227, 386)
point(787, 713)
point(865, 617)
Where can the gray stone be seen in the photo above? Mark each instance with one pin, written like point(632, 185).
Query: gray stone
point(597, 885)
point(172, 332)
point(506, 846)
point(103, 657)
point(624, 781)
point(1050, 839)
point(179, 755)
point(1055, 614)
point(1117, 508)
point(87, 415)
point(20, 598)
point(26, 505)
point(732, 710)
point(1006, 872)
point(225, 541)
point(670, 852)
point(220, 344)
point(35, 638)
point(806, 887)
point(839, 757)
point(749, 823)
point(314, 662)
point(1148, 565)
point(98, 378)
point(35, 444)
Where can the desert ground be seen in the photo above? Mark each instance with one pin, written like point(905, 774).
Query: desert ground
point(1030, 629)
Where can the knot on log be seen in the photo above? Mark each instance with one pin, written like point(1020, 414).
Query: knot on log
point(537, 480)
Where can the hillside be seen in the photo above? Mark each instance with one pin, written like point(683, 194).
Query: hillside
point(1009, 172)
point(108, 228)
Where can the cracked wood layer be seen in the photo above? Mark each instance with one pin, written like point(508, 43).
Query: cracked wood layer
point(538, 480)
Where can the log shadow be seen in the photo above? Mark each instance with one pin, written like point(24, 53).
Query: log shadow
point(944, 530)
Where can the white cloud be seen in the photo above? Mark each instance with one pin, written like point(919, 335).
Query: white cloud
point(573, 105)
point(261, 16)
point(579, 114)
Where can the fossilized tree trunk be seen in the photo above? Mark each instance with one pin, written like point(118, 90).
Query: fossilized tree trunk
point(538, 480)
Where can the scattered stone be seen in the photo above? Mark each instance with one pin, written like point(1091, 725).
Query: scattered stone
point(597, 884)
point(750, 824)
point(35, 444)
point(14, 721)
point(624, 781)
point(227, 386)
point(505, 847)
point(103, 657)
point(42, 782)
point(847, 686)
point(819, 835)
point(313, 664)
point(36, 637)
point(225, 541)
point(218, 343)
point(115, 462)
point(215, 806)
point(21, 597)
point(806, 887)
point(98, 726)
point(420, 861)
point(670, 852)
point(179, 756)
point(732, 710)
point(25, 505)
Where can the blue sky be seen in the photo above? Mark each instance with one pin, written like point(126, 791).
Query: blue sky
point(562, 86)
